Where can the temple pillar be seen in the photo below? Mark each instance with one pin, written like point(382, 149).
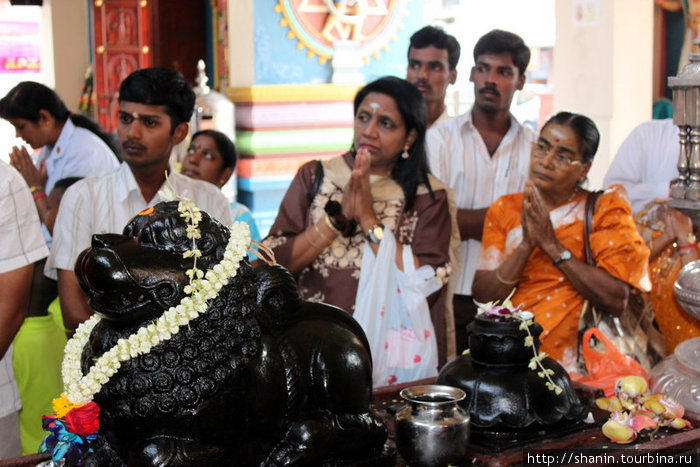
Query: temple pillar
point(602, 68)
point(70, 47)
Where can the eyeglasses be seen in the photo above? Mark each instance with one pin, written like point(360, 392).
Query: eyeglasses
point(561, 159)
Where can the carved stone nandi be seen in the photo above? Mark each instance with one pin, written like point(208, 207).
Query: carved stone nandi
point(262, 378)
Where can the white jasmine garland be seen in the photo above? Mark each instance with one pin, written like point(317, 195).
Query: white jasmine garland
point(80, 389)
point(506, 310)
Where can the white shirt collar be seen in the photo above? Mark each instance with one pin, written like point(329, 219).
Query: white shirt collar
point(58, 149)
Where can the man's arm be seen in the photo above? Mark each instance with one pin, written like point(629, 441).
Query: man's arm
point(471, 223)
point(646, 162)
point(74, 302)
point(15, 286)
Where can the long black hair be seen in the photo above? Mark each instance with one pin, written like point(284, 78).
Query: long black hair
point(26, 100)
point(411, 172)
point(585, 130)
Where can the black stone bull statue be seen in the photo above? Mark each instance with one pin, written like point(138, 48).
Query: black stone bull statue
point(261, 378)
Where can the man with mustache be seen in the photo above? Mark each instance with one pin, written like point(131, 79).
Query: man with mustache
point(155, 106)
point(432, 66)
point(483, 154)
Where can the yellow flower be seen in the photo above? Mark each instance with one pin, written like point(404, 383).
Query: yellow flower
point(61, 406)
point(618, 431)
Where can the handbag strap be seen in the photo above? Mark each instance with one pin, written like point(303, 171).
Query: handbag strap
point(588, 224)
point(318, 178)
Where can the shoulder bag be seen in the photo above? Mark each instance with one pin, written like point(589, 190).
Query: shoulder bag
point(634, 332)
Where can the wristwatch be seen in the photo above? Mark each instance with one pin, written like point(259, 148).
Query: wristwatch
point(375, 233)
point(563, 256)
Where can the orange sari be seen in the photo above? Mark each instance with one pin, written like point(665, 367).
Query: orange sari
point(542, 288)
point(674, 322)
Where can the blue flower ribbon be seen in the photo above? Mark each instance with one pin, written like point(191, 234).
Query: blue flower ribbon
point(61, 443)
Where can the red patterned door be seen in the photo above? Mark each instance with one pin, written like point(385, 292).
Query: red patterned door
point(122, 32)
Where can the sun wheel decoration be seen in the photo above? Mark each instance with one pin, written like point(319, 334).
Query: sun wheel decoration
point(318, 24)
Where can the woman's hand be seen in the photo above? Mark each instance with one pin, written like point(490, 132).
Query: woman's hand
point(682, 228)
point(20, 160)
point(680, 225)
point(361, 191)
point(537, 226)
point(348, 201)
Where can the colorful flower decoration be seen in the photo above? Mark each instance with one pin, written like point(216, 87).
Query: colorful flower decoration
point(64, 444)
point(635, 411)
point(505, 312)
point(76, 420)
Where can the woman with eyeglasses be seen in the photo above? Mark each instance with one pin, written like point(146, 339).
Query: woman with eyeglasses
point(534, 241)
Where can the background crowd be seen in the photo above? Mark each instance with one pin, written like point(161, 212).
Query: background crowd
point(475, 205)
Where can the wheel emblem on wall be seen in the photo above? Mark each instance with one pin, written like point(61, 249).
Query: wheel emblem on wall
point(318, 24)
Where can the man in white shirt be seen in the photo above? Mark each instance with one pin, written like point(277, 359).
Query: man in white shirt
point(432, 66)
point(646, 162)
point(21, 245)
point(155, 106)
point(483, 154)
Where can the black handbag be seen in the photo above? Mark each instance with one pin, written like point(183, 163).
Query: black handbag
point(634, 332)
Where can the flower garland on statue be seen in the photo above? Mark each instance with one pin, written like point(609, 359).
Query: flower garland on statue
point(507, 311)
point(76, 419)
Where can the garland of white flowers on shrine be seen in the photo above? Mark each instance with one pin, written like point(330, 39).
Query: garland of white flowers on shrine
point(80, 388)
point(203, 287)
point(507, 310)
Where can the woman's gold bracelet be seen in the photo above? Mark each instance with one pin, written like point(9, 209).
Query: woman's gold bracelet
point(329, 240)
point(311, 242)
point(329, 223)
point(502, 280)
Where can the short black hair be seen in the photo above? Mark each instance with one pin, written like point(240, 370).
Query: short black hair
point(160, 86)
point(499, 41)
point(438, 38)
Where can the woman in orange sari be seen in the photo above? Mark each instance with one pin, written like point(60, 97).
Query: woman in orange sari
point(672, 242)
point(533, 241)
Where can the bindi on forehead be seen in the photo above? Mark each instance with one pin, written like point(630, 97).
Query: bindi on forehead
point(557, 134)
point(374, 106)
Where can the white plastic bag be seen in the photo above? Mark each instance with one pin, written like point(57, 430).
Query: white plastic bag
point(391, 307)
